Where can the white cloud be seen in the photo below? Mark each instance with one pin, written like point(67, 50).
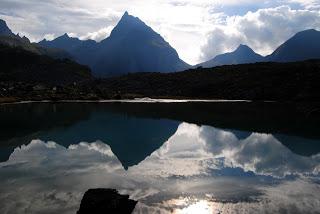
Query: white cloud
point(49, 36)
point(98, 35)
point(195, 151)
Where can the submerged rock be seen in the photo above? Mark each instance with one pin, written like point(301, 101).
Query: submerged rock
point(97, 201)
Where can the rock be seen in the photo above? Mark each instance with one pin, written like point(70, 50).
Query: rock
point(96, 201)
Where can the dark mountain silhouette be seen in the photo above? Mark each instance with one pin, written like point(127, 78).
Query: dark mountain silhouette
point(21, 65)
point(242, 55)
point(132, 47)
point(63, 42)
point(302, 46)
point(4, 29)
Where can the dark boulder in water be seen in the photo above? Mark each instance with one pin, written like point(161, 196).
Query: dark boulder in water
point(96, 201)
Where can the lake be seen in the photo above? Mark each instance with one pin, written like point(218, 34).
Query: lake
point(200, 157)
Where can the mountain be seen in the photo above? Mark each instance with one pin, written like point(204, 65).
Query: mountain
point(131, 47)
point(242, 55)
point(4, 29)
point(304, 45)
point(135, 47)
point(24, 61)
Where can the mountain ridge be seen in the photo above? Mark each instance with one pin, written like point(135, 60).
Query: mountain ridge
point(64, 42)
point(242, 55)
point(131, 47)
point(301, 46)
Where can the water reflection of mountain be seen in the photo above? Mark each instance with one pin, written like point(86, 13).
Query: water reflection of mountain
point(286, 118)
point(134, 130)
point(131, 138)
point(196, 162)
point(27, 119)
point(22, 123)
point(294, 121)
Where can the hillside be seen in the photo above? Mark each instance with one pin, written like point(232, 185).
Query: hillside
point(259, 81)
point(296, 81)
point(20, 65)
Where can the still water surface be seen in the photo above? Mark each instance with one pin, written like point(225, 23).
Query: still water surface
point(172, 158)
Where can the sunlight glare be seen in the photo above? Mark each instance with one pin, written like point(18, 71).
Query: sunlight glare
point(200, 207)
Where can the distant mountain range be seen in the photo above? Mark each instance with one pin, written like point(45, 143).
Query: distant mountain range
point(131, 47)
point(242, 55)
point(302, 46)
point(135, 47)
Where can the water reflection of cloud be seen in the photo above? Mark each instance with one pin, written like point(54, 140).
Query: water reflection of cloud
point(210, 167)
point(195, 150)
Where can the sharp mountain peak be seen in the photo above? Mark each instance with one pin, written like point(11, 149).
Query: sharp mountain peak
point(126, 24)
point(65, 35)
point(243, 47)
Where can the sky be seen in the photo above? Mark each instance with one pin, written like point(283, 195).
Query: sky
point(197, 29)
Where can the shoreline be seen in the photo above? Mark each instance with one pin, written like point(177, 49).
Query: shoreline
point(136, 100)
point(302, 106)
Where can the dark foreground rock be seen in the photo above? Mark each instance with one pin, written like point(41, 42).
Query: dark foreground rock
point(96, 201)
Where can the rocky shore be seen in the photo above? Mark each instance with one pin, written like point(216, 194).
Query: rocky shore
point(101, 201)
